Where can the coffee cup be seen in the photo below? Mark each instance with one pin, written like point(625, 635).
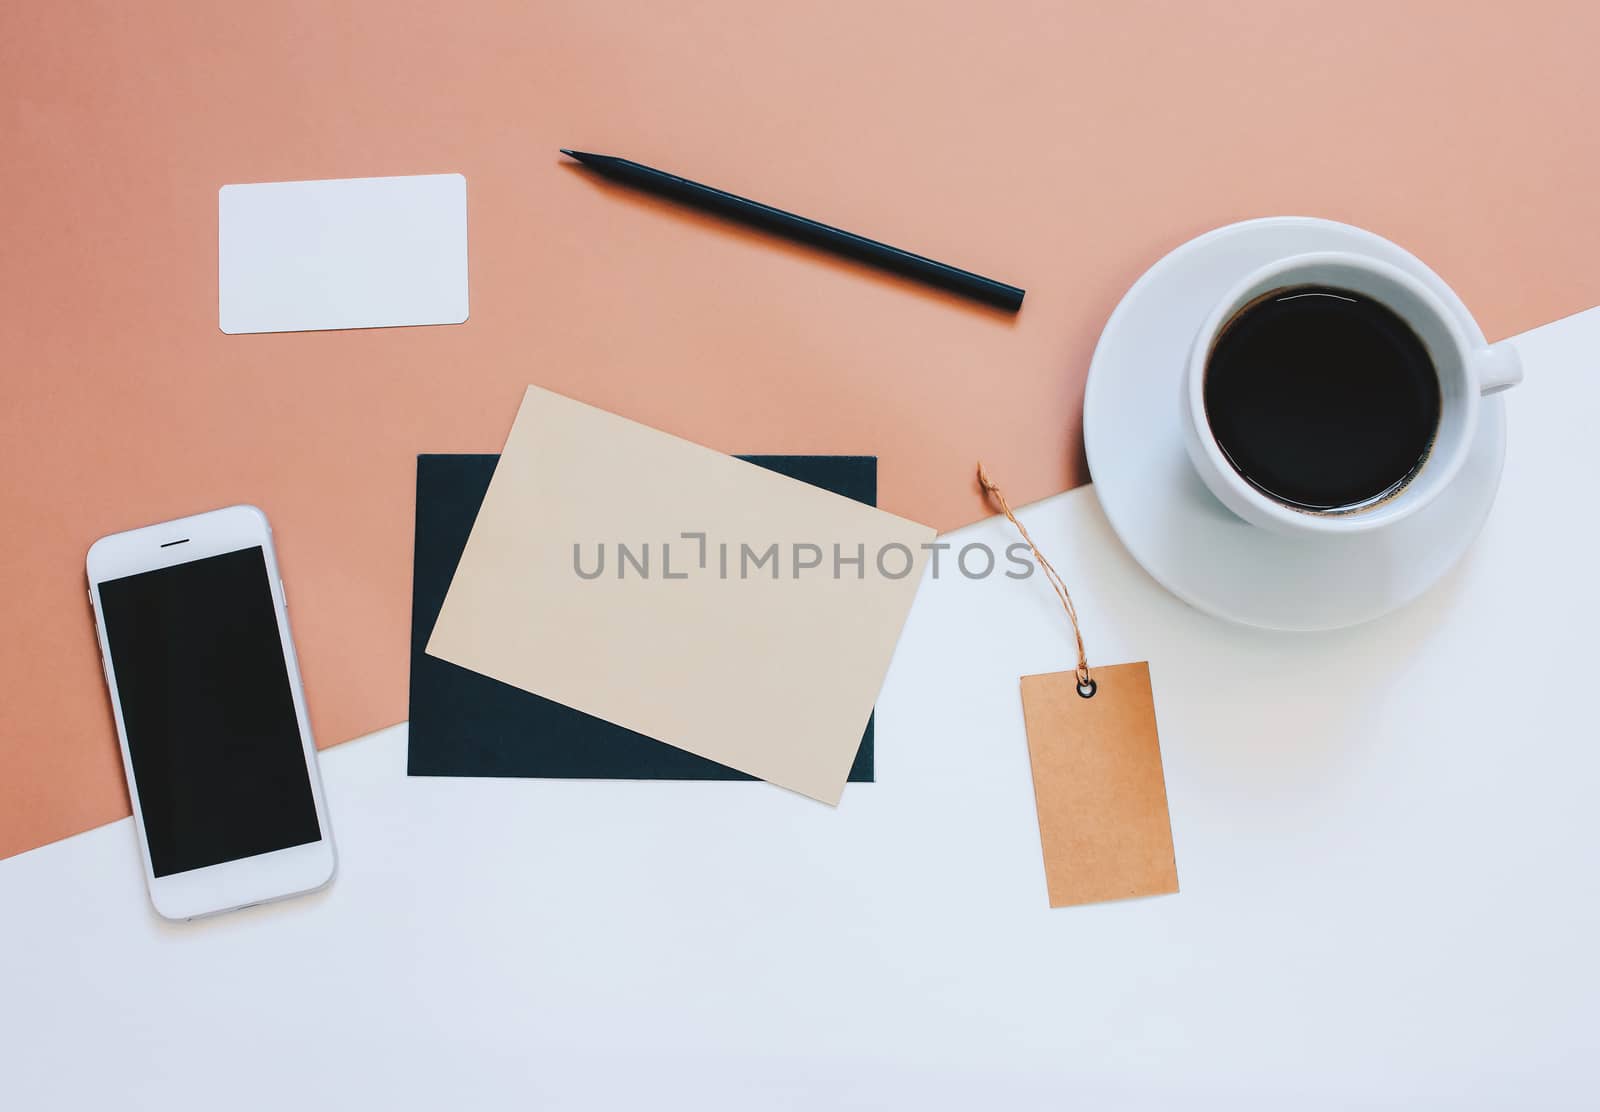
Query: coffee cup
point(1332, 393)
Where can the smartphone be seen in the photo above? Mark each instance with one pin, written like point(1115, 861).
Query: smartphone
point(194, 639)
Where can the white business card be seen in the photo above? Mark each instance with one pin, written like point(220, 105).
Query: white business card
point(299, 256)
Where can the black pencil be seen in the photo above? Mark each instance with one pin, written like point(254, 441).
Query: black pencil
point(788, 224)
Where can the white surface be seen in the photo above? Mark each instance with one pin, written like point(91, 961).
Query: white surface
point(296, 256)
point(1134, 429)
point(1385, 836)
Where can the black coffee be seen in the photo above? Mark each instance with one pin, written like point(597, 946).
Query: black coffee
point(1321, 398)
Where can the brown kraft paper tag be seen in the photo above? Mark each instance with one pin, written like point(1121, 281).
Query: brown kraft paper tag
point(1097, 781)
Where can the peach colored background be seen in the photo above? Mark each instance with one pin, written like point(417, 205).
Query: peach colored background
point(1060, 147)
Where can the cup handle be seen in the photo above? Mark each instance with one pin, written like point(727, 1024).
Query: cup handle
point(1499, 368)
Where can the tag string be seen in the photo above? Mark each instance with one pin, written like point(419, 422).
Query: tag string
point(999, 499)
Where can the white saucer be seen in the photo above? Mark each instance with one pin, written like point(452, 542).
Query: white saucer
point(1174, 526)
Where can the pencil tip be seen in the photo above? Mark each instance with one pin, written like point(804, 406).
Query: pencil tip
point(569, 154)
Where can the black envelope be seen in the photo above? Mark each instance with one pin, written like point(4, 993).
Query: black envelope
point(466, 724)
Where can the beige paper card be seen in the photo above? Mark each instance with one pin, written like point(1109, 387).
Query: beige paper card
point(690, 596)
point(1098, 784)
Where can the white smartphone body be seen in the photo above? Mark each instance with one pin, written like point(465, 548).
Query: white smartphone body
point(205, 687)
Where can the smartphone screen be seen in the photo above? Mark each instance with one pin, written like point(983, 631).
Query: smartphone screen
point(217, 757)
